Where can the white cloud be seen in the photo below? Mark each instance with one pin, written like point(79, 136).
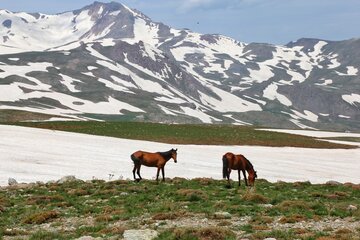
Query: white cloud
point(190, 4)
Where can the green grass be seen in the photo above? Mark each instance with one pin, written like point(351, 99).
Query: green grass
point(187, 134)
point(20, 115)
point(104, 209)
point(349, 139)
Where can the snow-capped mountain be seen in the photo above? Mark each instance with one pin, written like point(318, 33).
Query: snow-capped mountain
point(109, 62)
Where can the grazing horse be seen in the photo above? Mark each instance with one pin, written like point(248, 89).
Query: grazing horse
point(238, 162)
point(158, 159)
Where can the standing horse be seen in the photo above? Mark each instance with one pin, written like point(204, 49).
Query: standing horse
point(238, 162)
point(158, 159)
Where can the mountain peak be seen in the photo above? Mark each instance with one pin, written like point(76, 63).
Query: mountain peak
point(106, 7)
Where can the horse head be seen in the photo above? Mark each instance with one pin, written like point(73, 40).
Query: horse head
point(174, 154)
point(252, 177)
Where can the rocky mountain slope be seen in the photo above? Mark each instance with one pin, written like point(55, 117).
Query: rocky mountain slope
point(109, 62)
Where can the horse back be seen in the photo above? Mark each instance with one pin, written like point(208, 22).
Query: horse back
point(149, 159)
point(238, 162)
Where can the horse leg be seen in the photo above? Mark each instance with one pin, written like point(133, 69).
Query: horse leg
point(157, 174)
point(138, 171)
point(239, 176)
point(245, 177)
point(228, 176)
point(163, 173)
point(134, 171)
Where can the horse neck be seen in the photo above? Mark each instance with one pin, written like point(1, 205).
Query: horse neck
point(249, 167)
point(166, 155)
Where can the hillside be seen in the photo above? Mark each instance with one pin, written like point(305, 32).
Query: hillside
point(109, 62)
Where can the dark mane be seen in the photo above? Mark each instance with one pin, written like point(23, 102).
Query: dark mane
point(248, 164)
point(167, 155)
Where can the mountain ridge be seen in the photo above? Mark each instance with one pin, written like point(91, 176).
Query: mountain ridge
point(118, 64)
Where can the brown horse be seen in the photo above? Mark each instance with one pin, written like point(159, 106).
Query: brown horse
point(238, 162)
point(158, 159)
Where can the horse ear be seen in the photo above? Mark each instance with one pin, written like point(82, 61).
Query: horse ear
point(175, 150)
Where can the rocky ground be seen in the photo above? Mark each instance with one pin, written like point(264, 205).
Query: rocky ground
point(72, 209)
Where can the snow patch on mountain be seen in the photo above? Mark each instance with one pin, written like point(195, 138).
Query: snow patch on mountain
point(228, 102)
point(69, 82)
point(270, 92)
point(197, 113)
point(351, 98)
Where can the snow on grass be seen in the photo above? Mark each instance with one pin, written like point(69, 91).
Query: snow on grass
point(318, 134)
point(270, 92)
point(67, 113)
point(51, 155)
point(57, 119)
point(351, 98)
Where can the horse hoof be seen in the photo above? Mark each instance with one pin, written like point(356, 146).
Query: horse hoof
point(228, 186)
point(137, 180)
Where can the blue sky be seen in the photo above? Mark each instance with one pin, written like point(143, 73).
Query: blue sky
point(270, 21)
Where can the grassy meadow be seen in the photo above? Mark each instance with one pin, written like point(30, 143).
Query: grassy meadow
point(180, 209)
point(187, 134)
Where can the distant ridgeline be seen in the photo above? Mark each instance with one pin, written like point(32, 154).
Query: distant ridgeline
point(109, 62)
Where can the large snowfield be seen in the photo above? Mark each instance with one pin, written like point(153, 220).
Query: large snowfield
point(30, 155)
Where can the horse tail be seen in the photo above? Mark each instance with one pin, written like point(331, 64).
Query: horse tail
point(225, 166)
point(135, 159)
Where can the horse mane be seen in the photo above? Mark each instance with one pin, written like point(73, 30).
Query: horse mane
point(167, 155)
point(248, 164)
